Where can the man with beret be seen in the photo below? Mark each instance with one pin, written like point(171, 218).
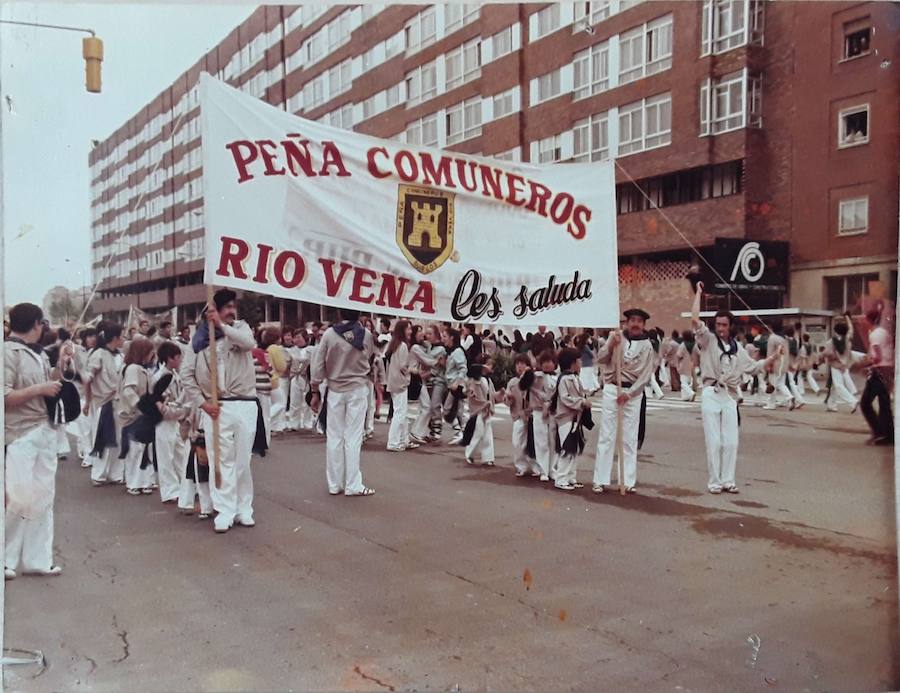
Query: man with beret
point(638, 364)
point(237, 409)
point(30, 446)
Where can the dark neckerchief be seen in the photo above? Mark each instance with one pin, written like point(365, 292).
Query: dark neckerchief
point(642, 336)
point(353, 332)
point(840, 344)
point(730, 350)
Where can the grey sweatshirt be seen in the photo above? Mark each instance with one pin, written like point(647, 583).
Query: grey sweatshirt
point(340, 364)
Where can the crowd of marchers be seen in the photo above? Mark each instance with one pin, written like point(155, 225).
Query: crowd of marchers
point(140, 407)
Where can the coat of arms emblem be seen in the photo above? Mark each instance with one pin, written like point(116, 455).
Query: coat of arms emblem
point(425, 226)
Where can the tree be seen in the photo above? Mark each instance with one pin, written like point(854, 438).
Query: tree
point(67, 307)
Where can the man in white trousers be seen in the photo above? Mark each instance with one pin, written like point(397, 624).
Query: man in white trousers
point(237, 411)
point(638, 363)
point(724, 363)
point(543, 424)
point(30, 447)
point(343, 360)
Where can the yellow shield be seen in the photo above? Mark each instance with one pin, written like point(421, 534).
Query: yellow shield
point(425, 226)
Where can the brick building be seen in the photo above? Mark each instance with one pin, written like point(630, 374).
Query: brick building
point(731, 116)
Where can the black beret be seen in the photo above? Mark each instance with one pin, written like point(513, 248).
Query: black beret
point(637, 312)
point(223, 296)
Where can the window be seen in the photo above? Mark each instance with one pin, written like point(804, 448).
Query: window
point(681, 187)
point(853, 216)
point(457, 16)
point(369, 106)
point(463, 121)
point(339, 30)
point(591, 68)
point(370, 9)
point(857, 38)
point(420, 31)
point(423, 131)
point(506, 103)
point(502, 42)
point(394, 45)
point(590, 13)
point(591, 137)
point(315, 48)
point(844, 294)
point(392, 95)
point(645, 50)
point(727, 24)
point(295, 103)
point(294, 20)
point(730, 102)
point(546, 87)
point(314, 93)
point(342, 117)
point(545, 22)
point(421, 84)
point(549, 150)
point(645, 124)
point(853, 126)
point(340, 78)
point(463, 64)
point(508, 155)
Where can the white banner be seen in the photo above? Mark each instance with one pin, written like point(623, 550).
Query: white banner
point(301, 210)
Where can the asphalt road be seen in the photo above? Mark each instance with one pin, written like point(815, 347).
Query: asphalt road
point(466, 578)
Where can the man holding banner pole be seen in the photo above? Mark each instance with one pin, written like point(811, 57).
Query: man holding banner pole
point(237, 410)
point(637, 366)
point(343, 360)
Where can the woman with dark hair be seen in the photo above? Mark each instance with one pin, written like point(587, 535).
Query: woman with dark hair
point(101, 384)
point(518, 343)
point(134, 384)
point(397, 355)
point(455, 373)
point(266, 378)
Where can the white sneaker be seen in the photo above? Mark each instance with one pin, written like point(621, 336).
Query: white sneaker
point(597, 488)
point(245, 523)
point(9, 574)
point(544, 477)
point(456, 439)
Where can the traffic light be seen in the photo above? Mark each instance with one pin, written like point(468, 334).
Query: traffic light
point(92, 51)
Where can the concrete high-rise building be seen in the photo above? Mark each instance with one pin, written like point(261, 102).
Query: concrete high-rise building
point(745, 122)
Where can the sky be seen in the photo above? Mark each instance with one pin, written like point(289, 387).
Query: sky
point(48, 119)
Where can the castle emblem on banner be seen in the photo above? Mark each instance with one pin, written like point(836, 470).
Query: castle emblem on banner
point(425, 226)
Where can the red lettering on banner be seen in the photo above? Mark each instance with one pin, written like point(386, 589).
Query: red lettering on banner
point(392, 289)
point(410, 159)
point(299, 269)
point(540, 195)
point(331, 156)
point(234, 252)
point(436, 176)
point(512, 180)
point(269, 158)
point(363, 279)
point(560, 215)
point(242, 159)
point(262, 263)
point(298, 156)
point(333, 283)
point(373, 169)
point(578, 226)
point(424, 295)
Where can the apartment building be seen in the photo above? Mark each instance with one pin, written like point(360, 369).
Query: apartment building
point(729, 115)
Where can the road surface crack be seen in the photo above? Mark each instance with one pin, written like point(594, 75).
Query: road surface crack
point(373, 679)
point(123, 636)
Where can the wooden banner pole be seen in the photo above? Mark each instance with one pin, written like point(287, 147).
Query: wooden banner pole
point(214, 386)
